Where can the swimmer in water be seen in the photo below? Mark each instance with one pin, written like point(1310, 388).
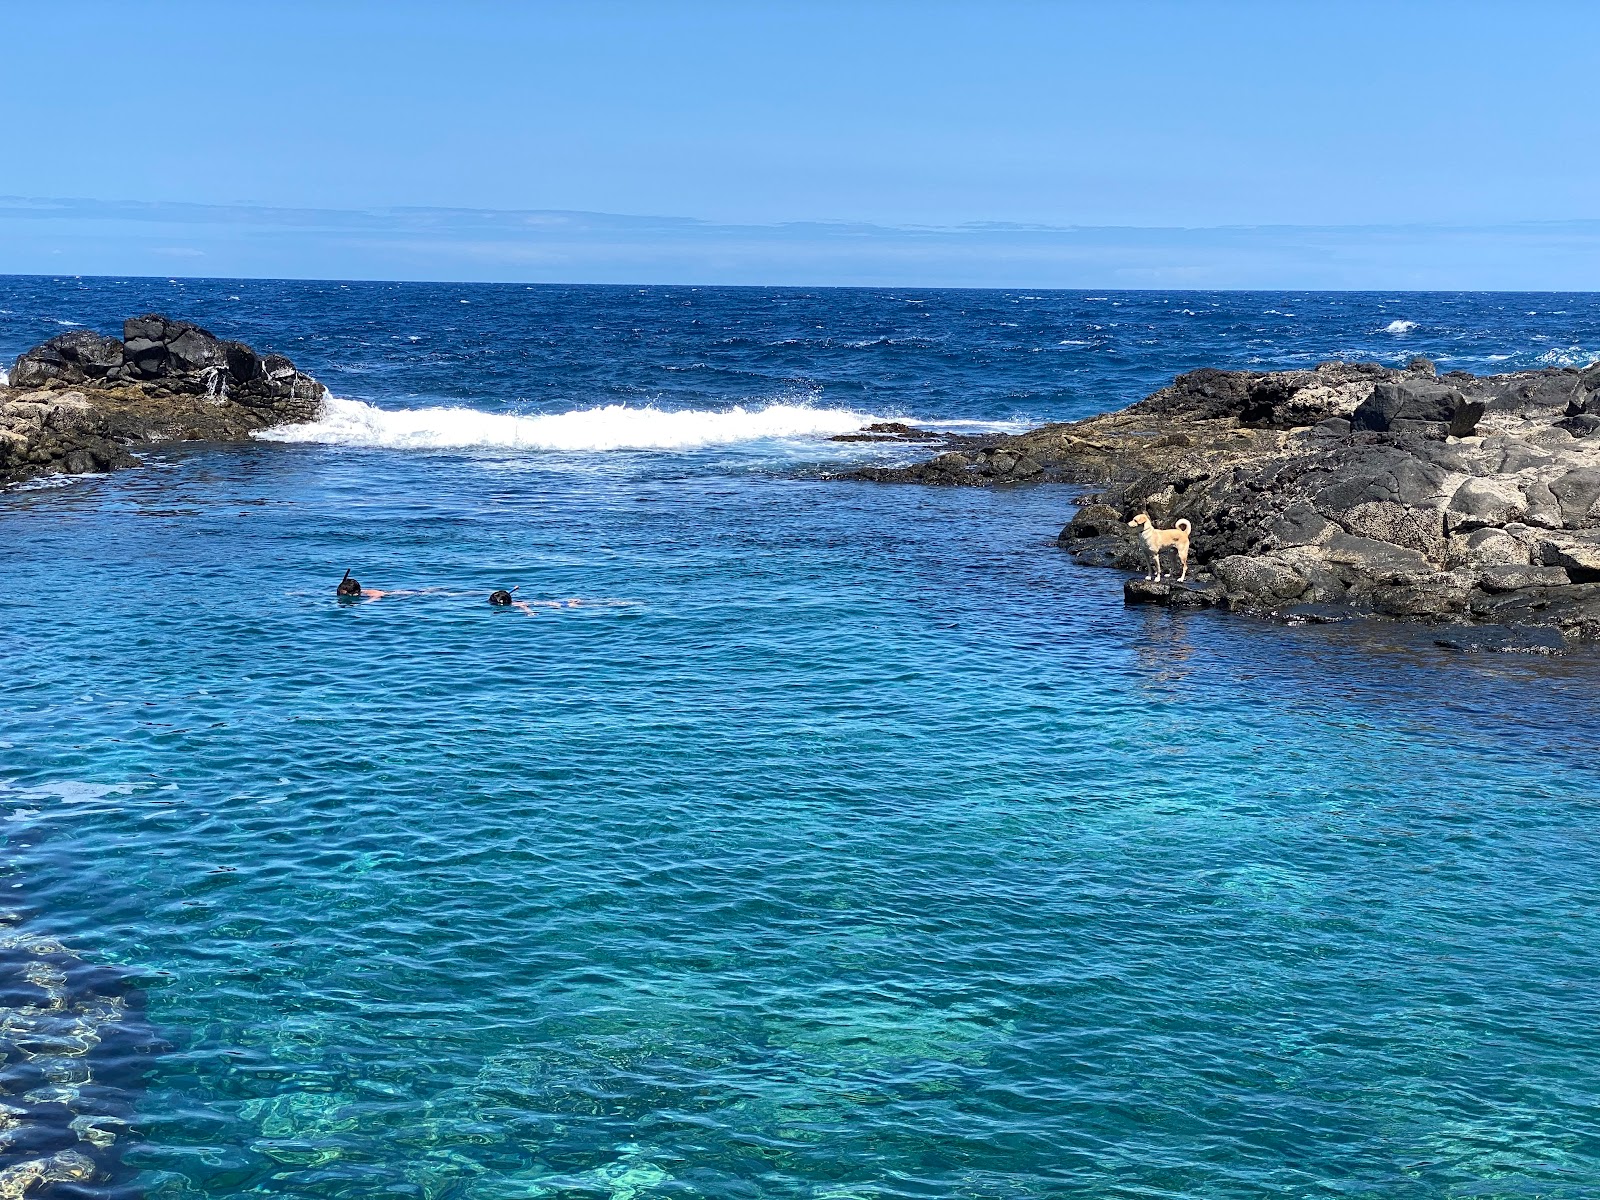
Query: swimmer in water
point(501, 598)
point(351, 589)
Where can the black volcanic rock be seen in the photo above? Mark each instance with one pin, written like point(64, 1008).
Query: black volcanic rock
point(73, 402)
point(172, 356)
point(81, 356)
point(1346, 489)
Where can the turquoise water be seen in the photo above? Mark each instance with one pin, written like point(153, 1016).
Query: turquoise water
point(840, 841)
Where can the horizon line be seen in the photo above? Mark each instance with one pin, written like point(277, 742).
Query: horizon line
point(171, 239)
point(345, 281)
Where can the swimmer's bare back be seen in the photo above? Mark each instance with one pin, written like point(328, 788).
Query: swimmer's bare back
point(528, 606)
point(401, 593)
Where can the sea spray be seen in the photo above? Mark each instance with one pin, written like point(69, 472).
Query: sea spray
point(608, 427)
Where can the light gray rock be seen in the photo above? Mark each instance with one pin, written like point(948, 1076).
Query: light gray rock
point(1579, 557)
point(1544, 510)
point(1511, 578)
point(1433, 594)
point(1489, 548)
point(1480, 502)
point(1372, 556)
point(1576, 493)
point(1261, 577)
point(1419, 529)
point(1299, 525)
point(1513, 456)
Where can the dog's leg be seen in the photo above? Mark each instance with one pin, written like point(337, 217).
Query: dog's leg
point(1156, 556)
point(1183, 561)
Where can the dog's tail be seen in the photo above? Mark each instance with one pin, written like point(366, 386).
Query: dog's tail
point(1183, 524)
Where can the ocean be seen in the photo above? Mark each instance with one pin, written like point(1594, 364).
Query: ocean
point(800, 837)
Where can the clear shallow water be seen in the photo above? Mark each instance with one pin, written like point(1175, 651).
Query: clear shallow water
point(844, 841)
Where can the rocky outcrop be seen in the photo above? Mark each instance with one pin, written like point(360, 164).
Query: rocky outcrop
point(1349, 488)
point(74, 403)
point(49, 433)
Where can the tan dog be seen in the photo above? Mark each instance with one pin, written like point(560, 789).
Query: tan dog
point(1156, 540)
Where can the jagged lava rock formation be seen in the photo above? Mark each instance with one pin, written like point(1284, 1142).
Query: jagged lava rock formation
point(74, 403)
point(1348, 488)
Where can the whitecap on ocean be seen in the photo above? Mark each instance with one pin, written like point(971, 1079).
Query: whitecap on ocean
point(609, 427)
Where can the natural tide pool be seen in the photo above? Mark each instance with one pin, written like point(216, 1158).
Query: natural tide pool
point(846, 841)
point(841, 842)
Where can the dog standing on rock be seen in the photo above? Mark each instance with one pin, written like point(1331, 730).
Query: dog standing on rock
point(1156, 540)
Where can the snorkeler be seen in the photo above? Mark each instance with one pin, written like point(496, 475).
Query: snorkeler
point(351, 589)
point(501, 598)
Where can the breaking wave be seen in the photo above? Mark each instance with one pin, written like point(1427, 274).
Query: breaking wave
point(1566, 356)
point(1399, 326)
point(612, 427)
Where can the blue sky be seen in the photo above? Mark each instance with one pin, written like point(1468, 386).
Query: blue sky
point(1294, 144)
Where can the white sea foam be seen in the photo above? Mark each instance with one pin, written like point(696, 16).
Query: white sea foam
point(1015, 425)
point(74, 792)
point(40, 483)
point(612, 427)
point(1399, 326)
point(5, 379)
point(1569, 356)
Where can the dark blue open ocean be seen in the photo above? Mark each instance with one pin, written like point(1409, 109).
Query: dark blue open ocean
point(801, 838)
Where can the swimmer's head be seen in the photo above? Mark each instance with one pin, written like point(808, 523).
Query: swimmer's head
point(500, 597)
point(348, 586)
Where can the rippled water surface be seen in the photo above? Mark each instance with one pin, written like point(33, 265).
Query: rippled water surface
point(801, 838)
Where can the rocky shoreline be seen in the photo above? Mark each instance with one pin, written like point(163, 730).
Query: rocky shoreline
point(76, 403)
point(1347, 490)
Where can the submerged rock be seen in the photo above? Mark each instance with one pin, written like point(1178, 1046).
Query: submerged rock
point(1168, 594)
point(74, 402)
point(73, 1049)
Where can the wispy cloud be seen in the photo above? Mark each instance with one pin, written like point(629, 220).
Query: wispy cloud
point(97, 237)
